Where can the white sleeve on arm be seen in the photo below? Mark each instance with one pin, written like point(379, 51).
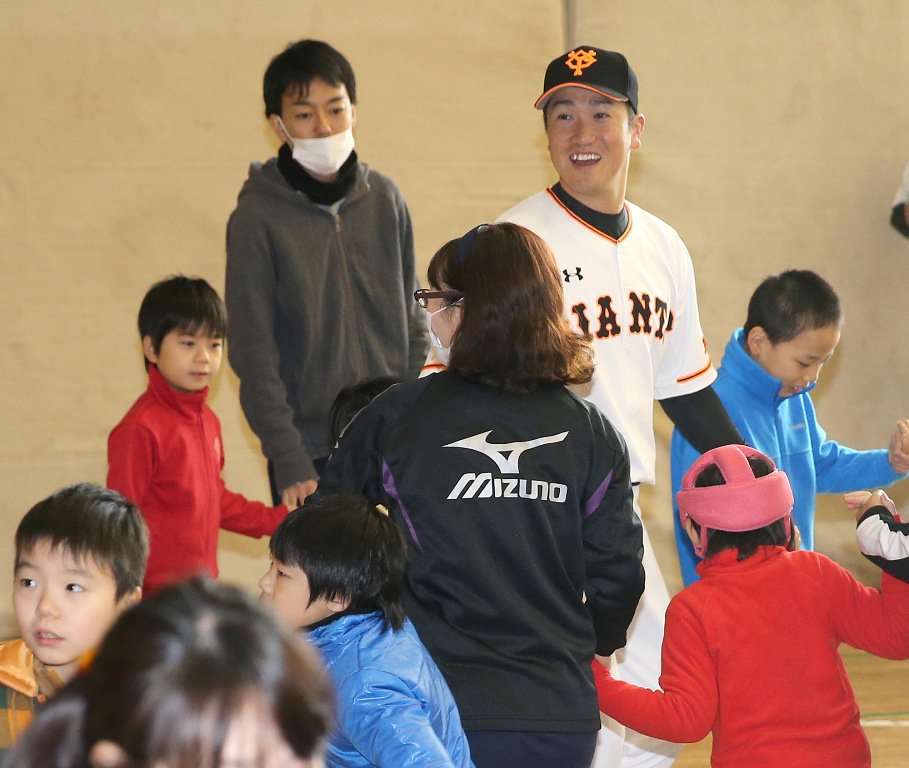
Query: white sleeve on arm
point(881, 536)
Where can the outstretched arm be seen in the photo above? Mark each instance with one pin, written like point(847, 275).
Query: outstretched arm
point(685, 710)
point(702, 419)
point(881, 535)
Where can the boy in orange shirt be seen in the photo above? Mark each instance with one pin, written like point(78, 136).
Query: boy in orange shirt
point(80, 558)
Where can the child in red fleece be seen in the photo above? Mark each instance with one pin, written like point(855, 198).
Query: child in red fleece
point(166, 455)
point(750, 650)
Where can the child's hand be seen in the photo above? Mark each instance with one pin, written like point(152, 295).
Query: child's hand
point(606, 661)
point(898, 451)
point(862, 501)
point(856, 499)
point(294, 496)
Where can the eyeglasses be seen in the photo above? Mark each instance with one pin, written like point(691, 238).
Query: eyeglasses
point(423, 295)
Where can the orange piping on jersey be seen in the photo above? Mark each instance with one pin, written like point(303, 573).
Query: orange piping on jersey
point(583, 223)
point(433, 367)
point(683, 379)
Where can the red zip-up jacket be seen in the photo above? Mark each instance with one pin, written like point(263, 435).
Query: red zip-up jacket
point(166, 456)
point(751, 653)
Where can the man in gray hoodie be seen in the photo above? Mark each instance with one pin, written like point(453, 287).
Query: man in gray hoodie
point(320, 269)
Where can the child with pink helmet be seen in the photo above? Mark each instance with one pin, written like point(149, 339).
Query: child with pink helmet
point(750, 650)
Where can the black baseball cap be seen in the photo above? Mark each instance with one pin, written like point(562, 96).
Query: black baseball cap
point(606, 72)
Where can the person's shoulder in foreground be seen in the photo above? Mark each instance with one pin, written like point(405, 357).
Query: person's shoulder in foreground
point(200, 674)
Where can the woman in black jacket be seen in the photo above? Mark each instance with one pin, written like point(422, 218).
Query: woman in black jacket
point(514, 496)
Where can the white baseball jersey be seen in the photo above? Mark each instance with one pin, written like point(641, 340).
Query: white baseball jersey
point(636, 297)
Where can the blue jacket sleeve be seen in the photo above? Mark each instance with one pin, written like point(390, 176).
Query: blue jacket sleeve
point(839, 469)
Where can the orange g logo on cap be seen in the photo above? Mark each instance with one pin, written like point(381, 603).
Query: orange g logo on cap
point(577, 61)
point(606, 72)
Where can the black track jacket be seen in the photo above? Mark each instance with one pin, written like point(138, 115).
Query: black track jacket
point(525, 551)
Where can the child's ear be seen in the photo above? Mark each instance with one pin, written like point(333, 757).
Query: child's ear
point(756, 341)
point(694, 536)
point(692, 533)
point(130, 598)
point(107, 754)
point(148, 349)
point(337, 604)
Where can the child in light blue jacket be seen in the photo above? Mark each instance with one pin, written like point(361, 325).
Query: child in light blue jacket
point(337, 570)
point(768, 370)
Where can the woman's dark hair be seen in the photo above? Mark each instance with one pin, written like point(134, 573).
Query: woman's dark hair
point(786, 304)
point(301, 63)
point(171, 675)
point(746, 542)
point(513, 333)
point(347, 549)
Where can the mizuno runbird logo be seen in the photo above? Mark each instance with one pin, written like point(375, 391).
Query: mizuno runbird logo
point(505, 455)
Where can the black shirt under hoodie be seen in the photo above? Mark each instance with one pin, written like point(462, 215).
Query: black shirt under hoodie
point(525, 552)
point(320, 192)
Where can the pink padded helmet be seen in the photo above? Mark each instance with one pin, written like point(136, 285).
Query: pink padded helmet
point(744, 503)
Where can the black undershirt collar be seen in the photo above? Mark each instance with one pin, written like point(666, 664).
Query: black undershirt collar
point(320, 192)
point(612, 225)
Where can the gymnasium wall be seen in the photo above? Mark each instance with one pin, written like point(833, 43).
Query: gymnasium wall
point(776, 134)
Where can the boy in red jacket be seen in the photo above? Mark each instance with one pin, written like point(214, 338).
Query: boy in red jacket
point(166, 454)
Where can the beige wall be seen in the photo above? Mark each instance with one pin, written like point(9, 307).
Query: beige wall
point(128, 129)
point(776, 134)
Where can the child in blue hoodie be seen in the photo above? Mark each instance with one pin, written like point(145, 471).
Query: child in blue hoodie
point(337, 569)
point(768, 370)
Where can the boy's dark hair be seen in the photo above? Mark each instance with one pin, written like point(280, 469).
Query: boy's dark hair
point(351, 400)
point(347, 549)
point(186, 304)
point(301, 63)
point(747, 542)
point(786, 304)
point(88, 521)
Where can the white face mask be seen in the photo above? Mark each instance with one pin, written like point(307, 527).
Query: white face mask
point(442, 353)
point(325, 155)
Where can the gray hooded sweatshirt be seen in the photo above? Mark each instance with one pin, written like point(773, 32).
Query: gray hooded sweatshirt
point(317, 301)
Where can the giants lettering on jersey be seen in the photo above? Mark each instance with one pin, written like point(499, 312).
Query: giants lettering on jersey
point(645, 316)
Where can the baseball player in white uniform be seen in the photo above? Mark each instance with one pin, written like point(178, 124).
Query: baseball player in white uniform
point(628, 282)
